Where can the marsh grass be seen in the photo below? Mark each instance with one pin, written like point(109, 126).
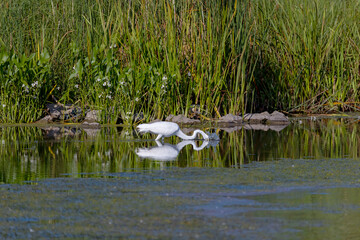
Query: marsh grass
point(310, 51)
point(161, 57)
point(158, 57)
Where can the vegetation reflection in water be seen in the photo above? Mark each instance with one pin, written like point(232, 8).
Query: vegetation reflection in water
point(30, 153)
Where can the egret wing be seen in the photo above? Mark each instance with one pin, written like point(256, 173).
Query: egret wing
point(164, 128)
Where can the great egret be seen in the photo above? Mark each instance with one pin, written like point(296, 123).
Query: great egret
point(167, 129)
point(167, 152)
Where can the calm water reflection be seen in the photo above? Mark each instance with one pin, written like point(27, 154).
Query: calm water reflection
point(32, 152)
point(168, 152)
point(258, 182)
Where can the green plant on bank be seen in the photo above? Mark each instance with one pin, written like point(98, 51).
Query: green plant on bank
point(115, 90)
point(161, 57)
point(25, 83)
point(167, 55)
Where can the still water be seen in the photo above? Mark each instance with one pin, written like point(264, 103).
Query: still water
point(299, 181)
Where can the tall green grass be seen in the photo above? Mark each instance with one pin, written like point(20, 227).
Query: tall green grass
point(161, 57)
point(125, 57)
point(309, 53)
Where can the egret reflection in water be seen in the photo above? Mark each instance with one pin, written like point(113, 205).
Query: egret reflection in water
point(166, 151)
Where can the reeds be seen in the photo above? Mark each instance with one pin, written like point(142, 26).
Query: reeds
point(161, 57)
point(136, 56)
point(309, 54)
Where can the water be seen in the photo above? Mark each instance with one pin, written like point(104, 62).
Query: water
point(299, 182)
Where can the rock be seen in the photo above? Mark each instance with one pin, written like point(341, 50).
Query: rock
point(231, 129)
point(92, 116)
point(230, 118)
point(278, 118)
point(55, 132)
point(256, 117)
point(91, 124)
point(181, 119)
point(92, 132)
point(61, 112)
point(257, 127)
point(168, 118)
point(55, 113)
point(278, 127)
point(45, 120)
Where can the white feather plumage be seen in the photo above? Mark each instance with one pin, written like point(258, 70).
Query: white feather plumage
point(167, 129)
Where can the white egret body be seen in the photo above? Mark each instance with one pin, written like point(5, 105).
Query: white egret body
point(167, 129)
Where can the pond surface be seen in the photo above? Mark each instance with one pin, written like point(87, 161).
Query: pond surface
point(296, 182)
